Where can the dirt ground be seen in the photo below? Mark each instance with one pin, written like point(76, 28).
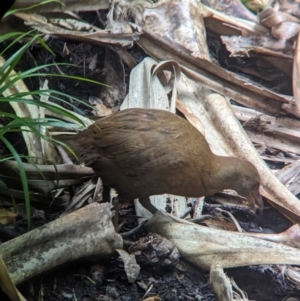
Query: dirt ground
point(89, 281)
point(96, 281)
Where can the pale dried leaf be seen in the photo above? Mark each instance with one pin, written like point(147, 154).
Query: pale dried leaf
point(220, 284)
point(132, 269)
point(155, 298)
point(188, 32)
point(243, 45)
point(236, 9)
point(81, 196)
point(206, 247)
point(33, 141)
point(101, 110)
point(283, 26)
point(293, 274)
point(93, 62)
point(296, 73)
point(281, 133)
point(7, 217)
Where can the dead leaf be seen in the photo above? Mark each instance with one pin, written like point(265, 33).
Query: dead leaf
point(93, 62)
point(132, 269)
point(7, 217)
point(7, 284)
point(155, 298)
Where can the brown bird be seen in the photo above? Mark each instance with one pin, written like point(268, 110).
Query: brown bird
point(143, 152)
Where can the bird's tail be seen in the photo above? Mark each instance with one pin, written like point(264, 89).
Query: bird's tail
point(79, 148)
point(68, 142)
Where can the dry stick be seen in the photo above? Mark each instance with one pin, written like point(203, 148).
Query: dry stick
point(86, 234)
point(50, 172)
point(45, 178)
point(212, 75)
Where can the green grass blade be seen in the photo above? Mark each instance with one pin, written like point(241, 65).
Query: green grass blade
point(22, 175)
point(12, 11)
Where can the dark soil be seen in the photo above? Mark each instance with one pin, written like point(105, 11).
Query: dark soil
point(90, 281)
point(79, 281)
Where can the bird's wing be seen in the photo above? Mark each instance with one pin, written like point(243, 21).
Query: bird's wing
point(137, 143)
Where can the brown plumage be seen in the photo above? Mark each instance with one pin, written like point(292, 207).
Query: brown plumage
point(142, 152)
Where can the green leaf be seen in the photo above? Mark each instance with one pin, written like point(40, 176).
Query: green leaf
point(22, 175)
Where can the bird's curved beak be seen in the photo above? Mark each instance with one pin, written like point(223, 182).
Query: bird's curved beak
point(256, 202)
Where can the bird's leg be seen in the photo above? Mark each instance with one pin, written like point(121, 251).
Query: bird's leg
point(116, 202)
point(146, 203)
point(106, 193)
point(115, 218)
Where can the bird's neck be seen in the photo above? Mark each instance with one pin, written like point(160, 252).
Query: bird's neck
point(222, 174)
